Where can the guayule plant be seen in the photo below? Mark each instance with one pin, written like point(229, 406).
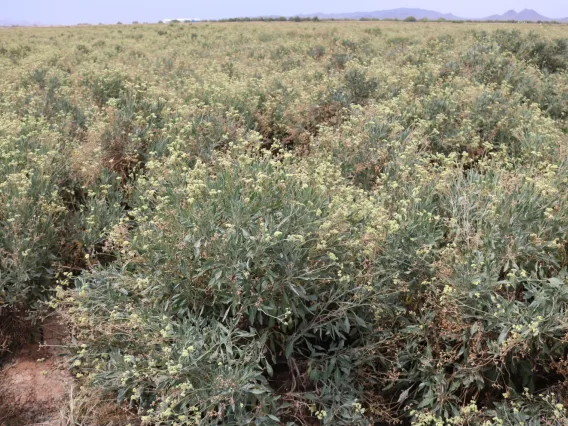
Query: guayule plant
point(294, 222)
point(31, 212)
point(280, 267)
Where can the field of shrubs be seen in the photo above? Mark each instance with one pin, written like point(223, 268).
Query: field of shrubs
point(336, 223)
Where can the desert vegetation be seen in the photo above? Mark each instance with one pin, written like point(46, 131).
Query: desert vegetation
point(336, 223)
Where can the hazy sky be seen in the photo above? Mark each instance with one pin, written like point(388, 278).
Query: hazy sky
point(110, 11)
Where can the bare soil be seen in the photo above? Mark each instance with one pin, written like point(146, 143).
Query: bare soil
point(34, 385)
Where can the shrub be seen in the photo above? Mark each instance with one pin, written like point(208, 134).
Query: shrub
point(269, 268)
point(374, 31)
point(547, 55)
point(358, 86)
point(317, 52)
point(338, 61)
point(31, 216)
point(375, 237)
point(105, 87)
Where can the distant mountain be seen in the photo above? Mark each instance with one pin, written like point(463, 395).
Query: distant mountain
point(15, 23)
point(524, 15)
point(401, 13)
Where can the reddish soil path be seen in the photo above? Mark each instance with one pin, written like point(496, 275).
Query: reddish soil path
point(34, 385)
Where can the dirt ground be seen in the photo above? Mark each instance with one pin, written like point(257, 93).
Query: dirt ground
point(35, 383)
point(36, 388)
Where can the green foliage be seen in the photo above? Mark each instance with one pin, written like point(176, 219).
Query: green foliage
point(30, 215)
point(329, 223)
point(358, 87)
point(317, 52)
point(280, 265)
point(15, 53)
point(105, 87)
point(547, 55)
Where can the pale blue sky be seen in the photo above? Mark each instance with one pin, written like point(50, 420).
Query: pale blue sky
point(110, 11)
